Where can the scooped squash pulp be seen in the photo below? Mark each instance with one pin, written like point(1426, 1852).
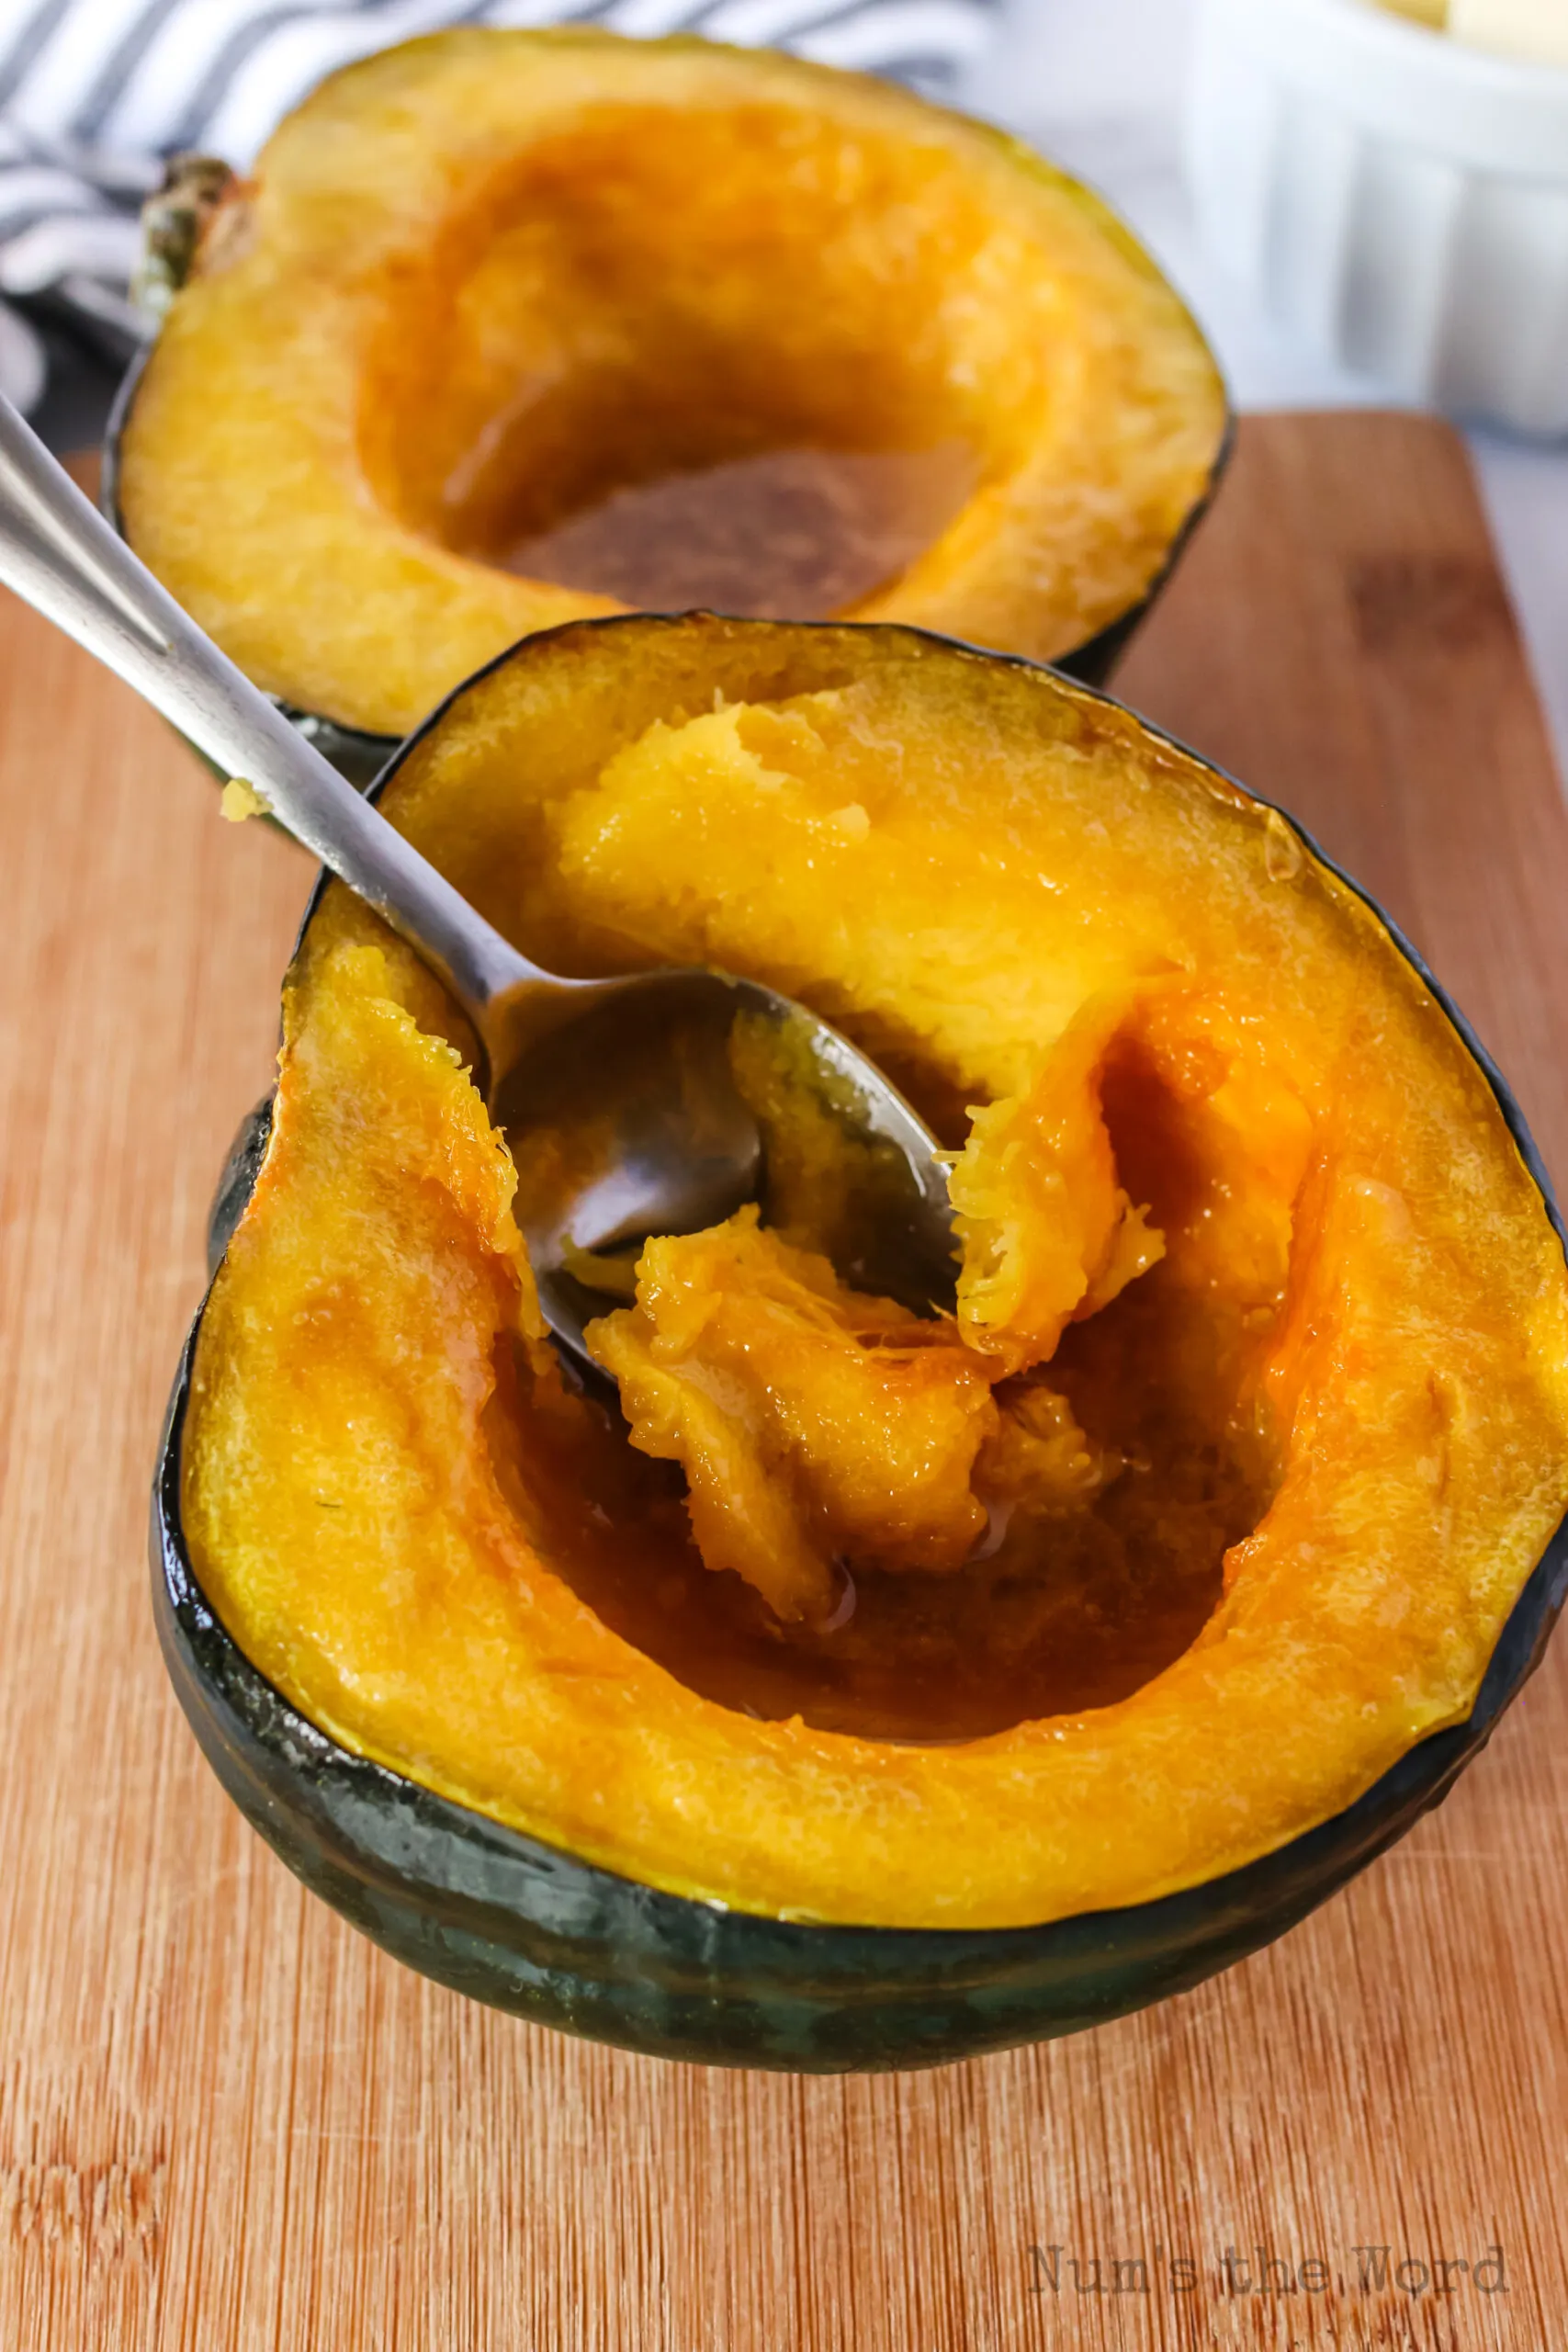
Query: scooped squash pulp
point(1213, 1498)
point(484, 289)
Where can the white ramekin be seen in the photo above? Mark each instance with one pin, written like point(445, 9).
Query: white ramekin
point(1396, 200)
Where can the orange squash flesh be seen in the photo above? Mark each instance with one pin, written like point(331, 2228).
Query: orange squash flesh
point(482, 283)
point(1249, 1508)
point(809, 1422)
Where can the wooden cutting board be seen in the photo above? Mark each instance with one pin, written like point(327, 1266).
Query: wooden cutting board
point(227, 2122)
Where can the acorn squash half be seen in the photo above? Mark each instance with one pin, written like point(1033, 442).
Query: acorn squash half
point(1261, 1366)
point(483, 289)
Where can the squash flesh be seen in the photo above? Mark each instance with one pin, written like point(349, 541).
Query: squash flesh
point(811, 1421)
point(483, 278)
point(1335, 1411)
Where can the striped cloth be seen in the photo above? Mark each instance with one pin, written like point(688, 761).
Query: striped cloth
point(95, 94)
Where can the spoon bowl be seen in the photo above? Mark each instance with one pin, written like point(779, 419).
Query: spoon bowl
point(626, 1119)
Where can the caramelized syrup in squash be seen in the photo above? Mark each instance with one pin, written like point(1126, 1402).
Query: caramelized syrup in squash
point(506, 327)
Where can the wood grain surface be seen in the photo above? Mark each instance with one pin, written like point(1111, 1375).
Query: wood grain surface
point(227, 2122)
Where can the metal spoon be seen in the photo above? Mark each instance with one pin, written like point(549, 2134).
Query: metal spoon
point(633, 1074)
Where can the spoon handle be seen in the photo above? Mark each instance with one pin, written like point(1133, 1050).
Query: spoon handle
point(60, 555)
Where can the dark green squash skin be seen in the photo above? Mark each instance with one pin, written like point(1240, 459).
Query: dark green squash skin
point(532, 1930)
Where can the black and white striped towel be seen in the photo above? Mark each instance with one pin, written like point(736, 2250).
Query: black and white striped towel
point(94, 93)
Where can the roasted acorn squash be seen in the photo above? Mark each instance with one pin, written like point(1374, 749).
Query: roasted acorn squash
point(484, 289)
point(1254, 1435)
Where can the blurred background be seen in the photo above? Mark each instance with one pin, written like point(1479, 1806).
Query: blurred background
point(1102, 87)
